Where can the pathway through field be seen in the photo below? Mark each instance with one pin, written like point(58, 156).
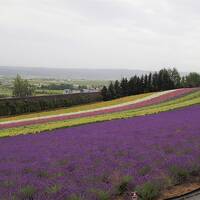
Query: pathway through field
point(192, 196)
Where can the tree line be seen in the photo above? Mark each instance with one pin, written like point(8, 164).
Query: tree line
point(19, 105)
point(165, 79)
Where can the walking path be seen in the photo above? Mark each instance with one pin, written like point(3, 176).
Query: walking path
point(191, 196)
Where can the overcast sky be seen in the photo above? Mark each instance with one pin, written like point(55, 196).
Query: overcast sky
point(134, 34)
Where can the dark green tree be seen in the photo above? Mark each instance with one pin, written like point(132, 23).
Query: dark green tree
point(104, 93)
point(132, 85)
point(141, 90)
point(175, 77)
point(149, 84)
point(155, 82)
point(138, 85)
point(111, 91)
point(117, 88)
point(124, 87)
point(22, 88)
point(164, 80)
point(146, 83)
point(183, 81)
point(193, 80)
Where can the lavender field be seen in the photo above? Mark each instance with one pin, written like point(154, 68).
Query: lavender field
point(89, 162)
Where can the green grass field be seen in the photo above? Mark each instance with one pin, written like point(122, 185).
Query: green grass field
point(5, 91)
point(188, 100)
point(48, 92)
point(77, 108)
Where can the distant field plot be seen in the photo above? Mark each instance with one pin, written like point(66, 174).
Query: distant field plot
point(48, 92)
point(100, 159)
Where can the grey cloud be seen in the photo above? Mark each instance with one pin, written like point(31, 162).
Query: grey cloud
point(115, 33)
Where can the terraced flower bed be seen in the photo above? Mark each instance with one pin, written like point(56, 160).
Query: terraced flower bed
point(76, 108)
point(102, 161)
point(147, 102)
point(184, 101)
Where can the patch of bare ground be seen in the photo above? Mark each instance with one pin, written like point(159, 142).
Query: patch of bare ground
point(179, 190)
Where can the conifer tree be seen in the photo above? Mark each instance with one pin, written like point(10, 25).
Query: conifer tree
point(117, 88)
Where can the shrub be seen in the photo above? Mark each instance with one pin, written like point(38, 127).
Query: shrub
point(101, 195)
point(144, 170)
point(194, 170)
point(53, 189)
point(42, 173)
point(148, 191)
point(74, 197)
point(27, 192)
point(179, 175)
point(124, 185)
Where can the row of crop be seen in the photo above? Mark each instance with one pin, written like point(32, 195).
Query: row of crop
point(78, 108)
point(188, 100)
point(27, 105)
point(155, 100)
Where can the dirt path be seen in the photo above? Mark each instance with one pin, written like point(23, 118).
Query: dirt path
point(192, 196)
point(189, 191)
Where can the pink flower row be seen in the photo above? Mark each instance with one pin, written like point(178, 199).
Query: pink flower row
point(155, 100)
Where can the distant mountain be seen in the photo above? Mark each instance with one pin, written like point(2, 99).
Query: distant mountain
point(64, 73)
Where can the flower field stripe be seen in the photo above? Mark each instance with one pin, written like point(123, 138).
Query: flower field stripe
point(76, 108)
point(188, 100)
point(146, 101)
point(78, 161)
point(91, 110)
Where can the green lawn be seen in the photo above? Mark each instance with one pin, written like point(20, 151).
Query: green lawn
point(188, 100)
point(76, 108)
point(48, 92)
point(5, 91)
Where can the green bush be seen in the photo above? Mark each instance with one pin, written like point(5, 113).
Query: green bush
point(100, 194)
point(74, 197)
point(144, 170)
point(27, 192)
point(178, 174)
point(148, 191)
point(124, 185)
point(194, 171)
point(53, 189)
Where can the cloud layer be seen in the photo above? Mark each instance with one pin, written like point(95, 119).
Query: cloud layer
point(138, 34)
